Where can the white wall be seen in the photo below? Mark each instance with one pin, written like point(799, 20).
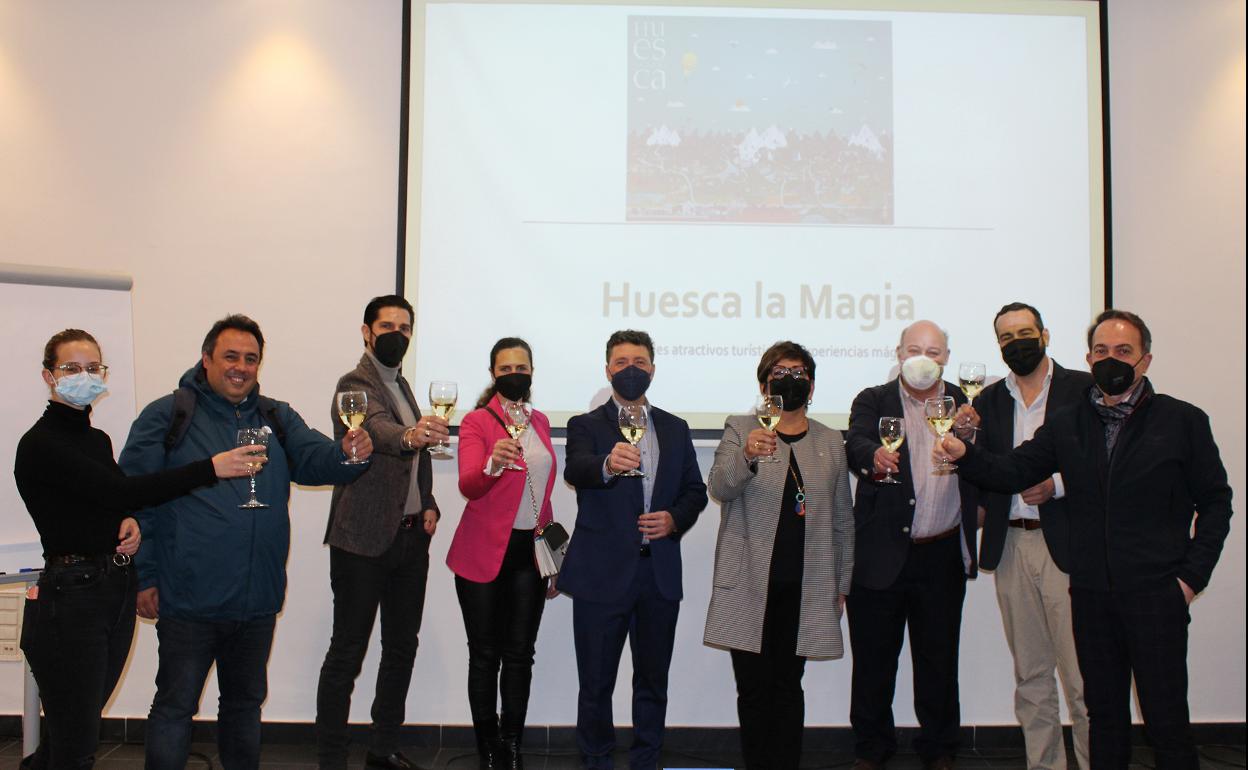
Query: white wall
point(1177, 112)
point(243, 157)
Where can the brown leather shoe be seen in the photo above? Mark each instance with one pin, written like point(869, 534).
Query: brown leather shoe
point(867, 764)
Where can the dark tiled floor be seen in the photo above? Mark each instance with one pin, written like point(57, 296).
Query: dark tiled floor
point(301, 757)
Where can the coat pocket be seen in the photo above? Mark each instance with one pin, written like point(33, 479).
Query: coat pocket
point(729, 559)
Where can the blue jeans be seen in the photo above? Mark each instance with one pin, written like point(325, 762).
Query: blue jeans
point(188, 648)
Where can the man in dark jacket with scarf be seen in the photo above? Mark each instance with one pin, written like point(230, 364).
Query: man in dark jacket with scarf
point(1138, 466)
point(215, 573)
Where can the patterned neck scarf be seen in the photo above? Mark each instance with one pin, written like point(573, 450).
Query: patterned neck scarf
point(1115, 416)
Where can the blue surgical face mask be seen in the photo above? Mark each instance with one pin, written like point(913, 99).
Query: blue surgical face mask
point(631, 382)
point(81, 389)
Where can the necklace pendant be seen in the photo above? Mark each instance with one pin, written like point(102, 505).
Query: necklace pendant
point(800, 507)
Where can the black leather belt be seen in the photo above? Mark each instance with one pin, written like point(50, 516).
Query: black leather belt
point(948, 533)
point(1027, 524)
point(409, 521)
point(74, 559)
point(644, 551)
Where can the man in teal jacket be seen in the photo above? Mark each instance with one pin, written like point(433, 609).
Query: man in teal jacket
point(212, 572)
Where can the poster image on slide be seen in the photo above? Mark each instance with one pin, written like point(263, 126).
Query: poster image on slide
point(760, 120)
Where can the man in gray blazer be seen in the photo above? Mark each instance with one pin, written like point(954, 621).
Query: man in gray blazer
point(378, 535)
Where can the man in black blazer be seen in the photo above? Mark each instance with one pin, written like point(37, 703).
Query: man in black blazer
point(378, 534)
point(1033, 587)
point(1139, 468)
point(914, 550)
point(623, 567)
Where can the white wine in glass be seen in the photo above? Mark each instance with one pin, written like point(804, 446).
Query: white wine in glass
point(258, 437)
point(939, 413)
point(442, 397)
point(971, 378)
point(892, 435)
point(518, 413)
point(768, 410)
point(352, 409)
point(633, 426)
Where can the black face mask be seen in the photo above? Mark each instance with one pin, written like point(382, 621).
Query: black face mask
point(390, 348)
point(1112, 376)
point(794, 391)
point(514, 386)
point(1023, 355)
point(631, 382)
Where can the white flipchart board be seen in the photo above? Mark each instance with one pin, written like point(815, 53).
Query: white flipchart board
point(35, 303)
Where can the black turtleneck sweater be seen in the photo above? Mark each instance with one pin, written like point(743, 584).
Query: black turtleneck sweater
point(74, 490)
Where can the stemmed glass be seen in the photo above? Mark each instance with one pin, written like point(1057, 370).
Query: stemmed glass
point(633, 426)
point(442, 397)
point(971, 378)
point(939, 413)
point(892, 434)
point(352, 408)
point(518, 412)
point(253, 437)
point(768, 409)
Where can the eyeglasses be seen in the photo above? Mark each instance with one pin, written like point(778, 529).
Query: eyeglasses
point(72, 368)
point(779, 372)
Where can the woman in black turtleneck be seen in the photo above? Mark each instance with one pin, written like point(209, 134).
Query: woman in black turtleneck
point(79, 620)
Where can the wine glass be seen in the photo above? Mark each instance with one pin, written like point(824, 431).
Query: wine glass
point(258, 437)
point(518, 412)
point(633, 426)
point(971, 379)
point(892, 434)
point(442, 397)
point(768, 409)
point(352, 408)
point(939, 413)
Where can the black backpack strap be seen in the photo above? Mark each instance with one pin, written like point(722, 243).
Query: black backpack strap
point(180, 421)
point(268, 410)
point(269, 413)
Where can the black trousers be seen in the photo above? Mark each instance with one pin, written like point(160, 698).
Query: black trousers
point(76, 637)
point(501, 618)
point(393, 582)
point(771, 706)
point(927, 598)
point(1144, 633)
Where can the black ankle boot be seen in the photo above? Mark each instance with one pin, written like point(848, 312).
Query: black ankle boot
point(511, 759)
point(490, 750)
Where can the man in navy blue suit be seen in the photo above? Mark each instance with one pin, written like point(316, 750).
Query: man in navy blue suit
point(623, 564)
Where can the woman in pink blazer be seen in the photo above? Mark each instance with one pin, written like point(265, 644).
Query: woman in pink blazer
point(500, 590)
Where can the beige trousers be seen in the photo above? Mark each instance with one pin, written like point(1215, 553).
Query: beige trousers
point(1034, 596)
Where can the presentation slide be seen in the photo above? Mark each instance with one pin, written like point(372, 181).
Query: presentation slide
point(726, 177)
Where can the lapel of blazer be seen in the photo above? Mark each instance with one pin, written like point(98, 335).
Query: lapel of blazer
point(610, 415)
point(890, 406)
point(1002, 405)
point(406, 389)
point(669, 450)
point(369, 372)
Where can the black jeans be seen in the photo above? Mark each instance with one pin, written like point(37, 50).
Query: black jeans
point(76, 637)
point(501, 618)
point(926, 597)
point(1144, 633)
point(771, 706)
point(393, 582)
point(188, 648)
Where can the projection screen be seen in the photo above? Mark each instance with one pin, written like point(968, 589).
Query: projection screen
point(727, 175)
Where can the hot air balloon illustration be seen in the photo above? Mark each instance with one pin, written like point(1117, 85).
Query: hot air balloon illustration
point(689, 62)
